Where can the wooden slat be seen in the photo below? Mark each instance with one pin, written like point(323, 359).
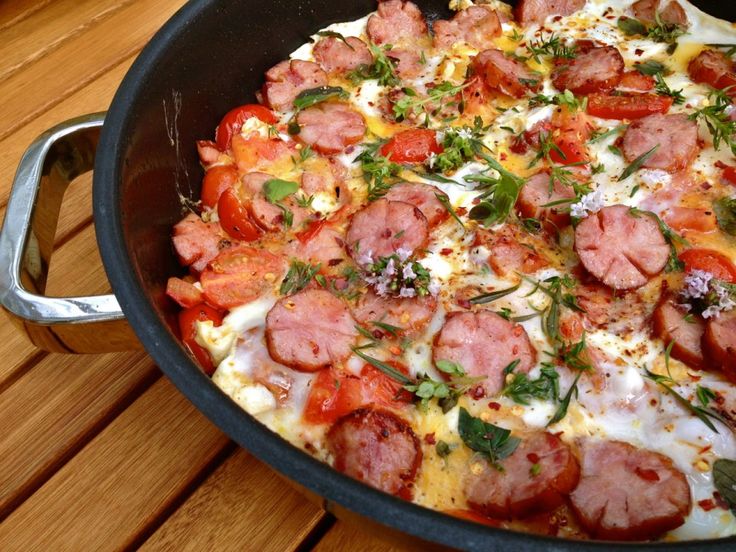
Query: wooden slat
point(49, 413)
point(45, 29)
point(79, 60)
point(343, 536)
point(13, 12)
point(122, 481)
point(213, 518)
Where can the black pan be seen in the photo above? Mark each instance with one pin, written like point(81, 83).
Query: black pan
point(210, 57)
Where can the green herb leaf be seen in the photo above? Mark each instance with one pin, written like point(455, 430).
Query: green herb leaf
point(603, 135)
point(650, 67)
point(704, 395)
point(663, 89)
point(493, 295)
point(725, 209)
point(445, 201)
point(336, 35)
point(561, 411)
point(387, 369)
point(298, 276)
point(724, 479)
point(637, 163)
point(551, 46)
point(499, 195)
point(394, 331)
point(716, 118)
point(277, 190)
point(449, 367)
point(378, 171)
point(522, 389)
point(674, 264)
point(442, 449)
point(630, 26)
point(383, 69)
point(313, 96)
point(496, 443)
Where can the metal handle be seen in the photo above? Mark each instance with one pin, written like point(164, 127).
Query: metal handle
point(62, 324)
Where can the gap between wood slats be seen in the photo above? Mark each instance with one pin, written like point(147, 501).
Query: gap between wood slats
point(15, 11)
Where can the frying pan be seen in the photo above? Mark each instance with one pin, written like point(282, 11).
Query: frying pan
point(209, 57)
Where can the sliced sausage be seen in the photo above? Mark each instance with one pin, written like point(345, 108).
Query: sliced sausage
point(536, 11)
point(410, 314)
point(670, 325)
point(287, 79)
point(620, 313)
point(383, 227)
point(330, 127)
point(626, 493)
point(240, 275)
point(676, 136)
point(484, 343)
point(267, 215)
point(507, 75)
point(712, 67)
point(196, 242)
point(335, 56)
point(536, 193)
point(719, 342)
point(476, 26)
point(511, 250)
point(647, 10)
point(422, 196)
point(598, 69)
point(621, 250)
point(536, 478)
point(396, 21)
point(378, 448)
point(407, 62)
point(310, 330)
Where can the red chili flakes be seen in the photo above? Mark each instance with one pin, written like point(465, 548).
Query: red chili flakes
point(707, 504)
point(638, 51)
point(460, 211)
point(477, 392)
point(446, 251)
point(705, 449)
point(503, 156)
point(533, 457)
point(647, 474)
point(494, 405)
point(429, 439)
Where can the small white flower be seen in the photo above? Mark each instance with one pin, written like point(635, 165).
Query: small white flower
point(382, 289)
point(431, 160)
point(408, 272)
point(697, 284)
point(390, 269)
point(465, 133)
point(403, 254)
point(365, 258)
point(725, 303)
point(588, 204)
point(407, 292)
point(434, 287)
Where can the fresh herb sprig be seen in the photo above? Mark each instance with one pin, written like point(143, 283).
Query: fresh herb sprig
point(564, 402)
point(493, 295)
point(725, 209)
point(724, 479)
point(459, 145)
point(436, 100)
point(522, 389)
point(663, 89)
point(566, 98)
point(276, 190)
point(637, 163)
point(716, 117)
point(338, 36)
point(378, 171)
point(498, 195)
point(495, 443)
point(650, 67)
point(557, 289)
point(551, 46)
point(298, 276)
point(383, 68)
point(445, 201)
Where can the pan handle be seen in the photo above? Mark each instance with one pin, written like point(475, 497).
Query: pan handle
point(92, 324)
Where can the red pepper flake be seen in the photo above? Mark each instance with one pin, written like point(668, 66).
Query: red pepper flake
point(503, 156)
point(647, 474)
point(707, 504)
point(494, 405)
point(460, 211)
point(477, 392)
point(446, 251)
point(638, 51)
point(394, 350)
point(533, 457)
point(429, 439)
point(705, 449)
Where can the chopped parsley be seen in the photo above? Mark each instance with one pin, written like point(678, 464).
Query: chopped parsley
point(720, 125)
point(521, 389)
point(383, 69)
point(495, 443)
point(378, 171)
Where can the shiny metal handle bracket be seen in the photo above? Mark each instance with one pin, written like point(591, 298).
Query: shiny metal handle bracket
point(72, 324)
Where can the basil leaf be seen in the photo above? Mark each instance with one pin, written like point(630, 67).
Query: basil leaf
point(492, 296)
point(725, 209)
point(637, 163)
point(312, 96)
point(650, 67)
point(335, 34)
point(724, 479)
point(631, 26)
point(277, 190)
point(496, 443)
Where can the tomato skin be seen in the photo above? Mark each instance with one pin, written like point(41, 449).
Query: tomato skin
point(332, 395)
point(234, 217)
point(217, 179)
point(636, 81)
point(256, 152)
point(627, 107)
point(710, 261)
point(572, 148)
point(188, 327)
point(690, 218)
point(729, 174)
point(411, 146)
point(311, 231)
point(233, 121)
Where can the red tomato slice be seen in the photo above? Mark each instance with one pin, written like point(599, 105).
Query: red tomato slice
point(636, 81)
point(188, 328)
point(710, 261)
point(332, 395)
point(184, 293)
point(216, 180)
point(233, 121)
point(257, 152)
point(690, 218)
point(411, 146)
point(234, 217)
point(570, 148)
point(311, 231)
point(627, 107)
point(729, 174)
point(381, 389)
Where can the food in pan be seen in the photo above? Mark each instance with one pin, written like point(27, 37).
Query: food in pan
point(487, 264)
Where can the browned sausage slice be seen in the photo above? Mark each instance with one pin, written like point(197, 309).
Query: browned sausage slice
point(310, 330)
point(410, 314)
point(196, 242)
point(507, 75)
point(335, 56)
point(476, 25)
point(536, 193)
point(330, 127)
point(512, 250)
point(267, 215)
point(287, 79)
point(408, 62)
point(384, 227)
point(676, 136)
point(670, 325)
point(484, 343)
point(396, 21)
point(536, 11)
point(422, 196)
point(622, 250)
point(626, 493)
point(713, 67)
point(719, 342)
point(536, 478)
point(647, 10)
point(377, 447)
point(598, 69)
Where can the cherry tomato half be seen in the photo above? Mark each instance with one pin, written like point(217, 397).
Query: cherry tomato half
point(234, 217)
point(234, 119)
point(188, 328)
point(710, 261)
point(411, 146)
point(217, 179)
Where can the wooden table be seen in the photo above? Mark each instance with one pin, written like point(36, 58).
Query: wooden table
point(102, 452)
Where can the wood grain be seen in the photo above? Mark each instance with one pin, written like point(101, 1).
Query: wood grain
point(15, 11)
point(121, 481)
point(348, 537)
point(241, 489)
